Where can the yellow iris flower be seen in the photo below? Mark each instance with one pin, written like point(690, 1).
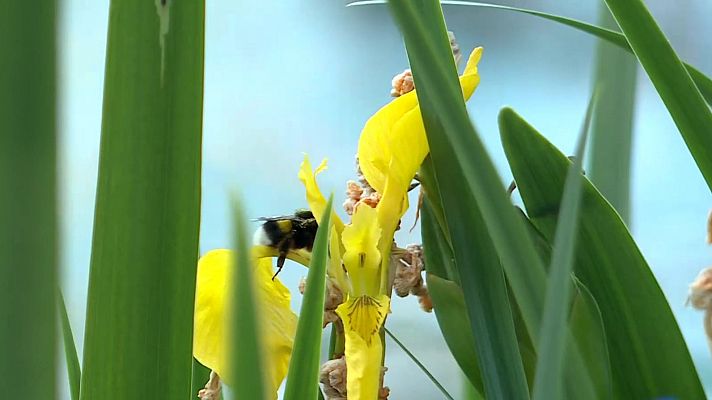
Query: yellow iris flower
point(210, 334)
point(392, 147)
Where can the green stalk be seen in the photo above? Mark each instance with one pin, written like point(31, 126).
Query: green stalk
point(145, 247)
point(612, 125)
point(28, 221)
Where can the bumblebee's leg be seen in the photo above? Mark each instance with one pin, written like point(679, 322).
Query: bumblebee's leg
point(280, 264)
point(283, 250)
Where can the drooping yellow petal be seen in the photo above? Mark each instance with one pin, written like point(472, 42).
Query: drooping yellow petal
point(315, 199)
point(335, 269)
point(212, 302)
point(396, 130)
point(361, 256)
point(363, 318)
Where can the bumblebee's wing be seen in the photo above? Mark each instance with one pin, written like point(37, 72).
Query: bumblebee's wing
point(278, 218)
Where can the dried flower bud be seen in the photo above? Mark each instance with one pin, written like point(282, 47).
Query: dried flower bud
point(700, 295)
point(332, 376)
point(455, 47)
point(212, 388)
point(334, 297)
point(402, 83)
point(408, 279)
point(709, 227)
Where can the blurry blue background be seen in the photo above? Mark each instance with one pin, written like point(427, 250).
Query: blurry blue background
point(304, 76)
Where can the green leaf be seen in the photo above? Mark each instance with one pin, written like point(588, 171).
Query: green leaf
point(681, 96)
point(303, 375)
point(74, 372)
point(612, 125)
point(552, 339)
point(472, 177)
point(648, 355)
point(246, 359)
point(145, 246)
point(28, 199)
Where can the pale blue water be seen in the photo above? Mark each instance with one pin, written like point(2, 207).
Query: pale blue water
point(305, 76)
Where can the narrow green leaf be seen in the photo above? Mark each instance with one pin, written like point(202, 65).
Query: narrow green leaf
point(28, 199)
point(612, 125)
point(246, 359)
point(200, 376)
point(648, 355)
point(74, 372)
point(419, 364)
point(303, 375)
point(587, 326)
point(450, 133)
point(682, 97)
point(704, 83)
point(552, 339)
point(145, 244)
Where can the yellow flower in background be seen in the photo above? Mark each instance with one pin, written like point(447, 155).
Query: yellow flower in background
point(210, 336)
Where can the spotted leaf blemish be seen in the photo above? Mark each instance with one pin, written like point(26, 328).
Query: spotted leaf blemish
point(163, 10)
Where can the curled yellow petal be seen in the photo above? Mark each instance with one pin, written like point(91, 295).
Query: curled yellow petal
point(212, 302)
point(396, 132)
point(363, 318)
point(315, 199)
point(361, 256)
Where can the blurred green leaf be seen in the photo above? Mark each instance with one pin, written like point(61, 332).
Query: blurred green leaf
point(552, 339)
point(612, 125)
point(648, 355)
point(200, 376)
point(303, 375)
point(681, 96)
point(74, 372)
point(28, 220)
point(145, 245)
point(246, 359)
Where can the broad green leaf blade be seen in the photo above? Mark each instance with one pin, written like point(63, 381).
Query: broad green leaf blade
point(246, 359)
point(681, 96)
point(74, 372)
point(612, 125)
point(200, 376)
point(649, 358)
point(145, 244)
point(28, 221)
point(419, 364)
point(552, 339)
point(303, 375)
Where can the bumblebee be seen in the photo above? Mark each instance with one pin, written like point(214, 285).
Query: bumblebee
point(287, 233)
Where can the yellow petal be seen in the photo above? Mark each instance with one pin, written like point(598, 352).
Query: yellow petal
point(396, 130)
point(315, 199)
point(361, 256)
point(210, 338)
point(363, 318)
